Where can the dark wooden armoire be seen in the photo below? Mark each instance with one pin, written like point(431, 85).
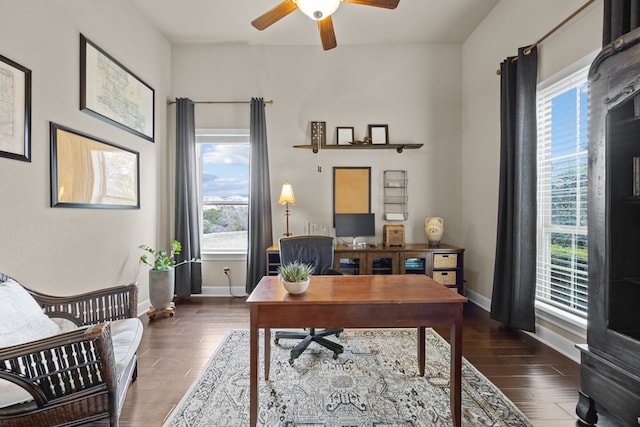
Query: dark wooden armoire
point(610, 361)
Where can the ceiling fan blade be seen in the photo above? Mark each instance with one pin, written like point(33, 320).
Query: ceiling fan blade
point(274, 15)
point(327, 35)
point(387, 4)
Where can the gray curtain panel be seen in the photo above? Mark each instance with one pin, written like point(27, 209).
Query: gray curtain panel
point(619, 17)
point(260, 232)
point(514, 282)
point(187, 232)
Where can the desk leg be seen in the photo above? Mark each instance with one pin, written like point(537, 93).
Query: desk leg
point(267, 352)
point(253, 368)
point(421, 350)
point(455, 339)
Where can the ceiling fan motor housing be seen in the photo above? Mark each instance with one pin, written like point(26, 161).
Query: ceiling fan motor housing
point(318, 9)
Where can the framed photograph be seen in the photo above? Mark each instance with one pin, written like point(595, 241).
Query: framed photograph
point(344, 135)
point(15, 110)
point(351, 190)
point(379, 134)
point(87, 172)
point(110, 92)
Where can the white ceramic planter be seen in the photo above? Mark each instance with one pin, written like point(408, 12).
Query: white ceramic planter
point(161, 288)
point(296, 288)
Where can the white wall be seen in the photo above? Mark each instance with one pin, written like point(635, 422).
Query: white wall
point(66, 250)
point(511, 24)
point(415, 89)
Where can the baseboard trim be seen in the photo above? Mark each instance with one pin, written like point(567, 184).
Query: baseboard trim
point(545, 335)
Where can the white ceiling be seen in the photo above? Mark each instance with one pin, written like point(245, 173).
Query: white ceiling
point(229, 21)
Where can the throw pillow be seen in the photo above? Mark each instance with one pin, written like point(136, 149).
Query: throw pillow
point(21, 318)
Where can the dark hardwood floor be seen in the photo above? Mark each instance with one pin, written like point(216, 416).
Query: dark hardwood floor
point(540, 381)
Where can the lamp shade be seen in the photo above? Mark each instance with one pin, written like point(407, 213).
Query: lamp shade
point(286, 196)
point(318, 9)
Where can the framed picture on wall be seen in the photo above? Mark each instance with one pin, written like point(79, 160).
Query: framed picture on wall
point(379, 134)
point(87, 172)
point(351, 190)
point(344, 135)
point(110, 92)
point(15, 110)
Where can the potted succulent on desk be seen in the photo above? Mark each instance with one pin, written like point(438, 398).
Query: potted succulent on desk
point(295, 276)
point(162, 276)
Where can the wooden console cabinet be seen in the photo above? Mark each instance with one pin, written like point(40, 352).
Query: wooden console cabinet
point(444, 263)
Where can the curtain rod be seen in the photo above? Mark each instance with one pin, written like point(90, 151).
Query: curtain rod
point(527, 51)
point(222, 102)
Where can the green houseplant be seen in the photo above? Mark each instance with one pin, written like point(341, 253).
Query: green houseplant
point(162, 275)
point(163, 260)
point(295, 276)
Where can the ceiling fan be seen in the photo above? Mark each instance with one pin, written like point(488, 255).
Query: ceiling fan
point(318, 10)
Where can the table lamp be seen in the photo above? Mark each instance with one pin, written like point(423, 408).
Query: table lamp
point(287, 198)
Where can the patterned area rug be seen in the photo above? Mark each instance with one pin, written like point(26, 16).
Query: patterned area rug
point(373, 383)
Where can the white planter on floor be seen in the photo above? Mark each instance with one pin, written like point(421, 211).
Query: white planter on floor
point(161, 288)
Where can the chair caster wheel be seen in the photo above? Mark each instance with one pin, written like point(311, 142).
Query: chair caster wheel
point(291, 362)
point(276, 341)
point(335, 355)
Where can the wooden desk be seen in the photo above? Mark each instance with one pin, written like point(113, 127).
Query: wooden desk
point(364, 301)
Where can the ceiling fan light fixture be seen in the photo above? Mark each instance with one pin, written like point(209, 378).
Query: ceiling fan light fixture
point(317, 9)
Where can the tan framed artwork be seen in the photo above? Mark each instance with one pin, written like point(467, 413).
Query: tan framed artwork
point(87, 172)
point(351, 190)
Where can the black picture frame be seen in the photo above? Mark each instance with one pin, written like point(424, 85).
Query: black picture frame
point(15, 110)
point(379, 134)
point(89, 172)
point(114, 94)
point(345, 135)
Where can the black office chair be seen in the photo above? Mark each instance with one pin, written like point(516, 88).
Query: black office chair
point(317, 251)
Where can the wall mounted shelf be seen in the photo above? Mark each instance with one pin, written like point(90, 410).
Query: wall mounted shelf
point(397, 147)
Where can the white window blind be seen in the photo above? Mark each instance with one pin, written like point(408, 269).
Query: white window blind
point(562, 258)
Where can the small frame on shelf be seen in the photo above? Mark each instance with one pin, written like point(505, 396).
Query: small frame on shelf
point(379, 134)
point(15, 110)
point(87, 172)
point(345, 135)
point(110, 92)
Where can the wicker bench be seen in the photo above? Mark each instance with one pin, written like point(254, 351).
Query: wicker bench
point(74, 372)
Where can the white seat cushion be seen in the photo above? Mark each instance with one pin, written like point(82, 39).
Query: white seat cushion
point(125, 335)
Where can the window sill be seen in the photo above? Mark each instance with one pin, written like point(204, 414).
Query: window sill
point(571, 323)
point(223, 256)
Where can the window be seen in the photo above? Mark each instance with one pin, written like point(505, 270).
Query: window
point(223, 162)
point(562, 193)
